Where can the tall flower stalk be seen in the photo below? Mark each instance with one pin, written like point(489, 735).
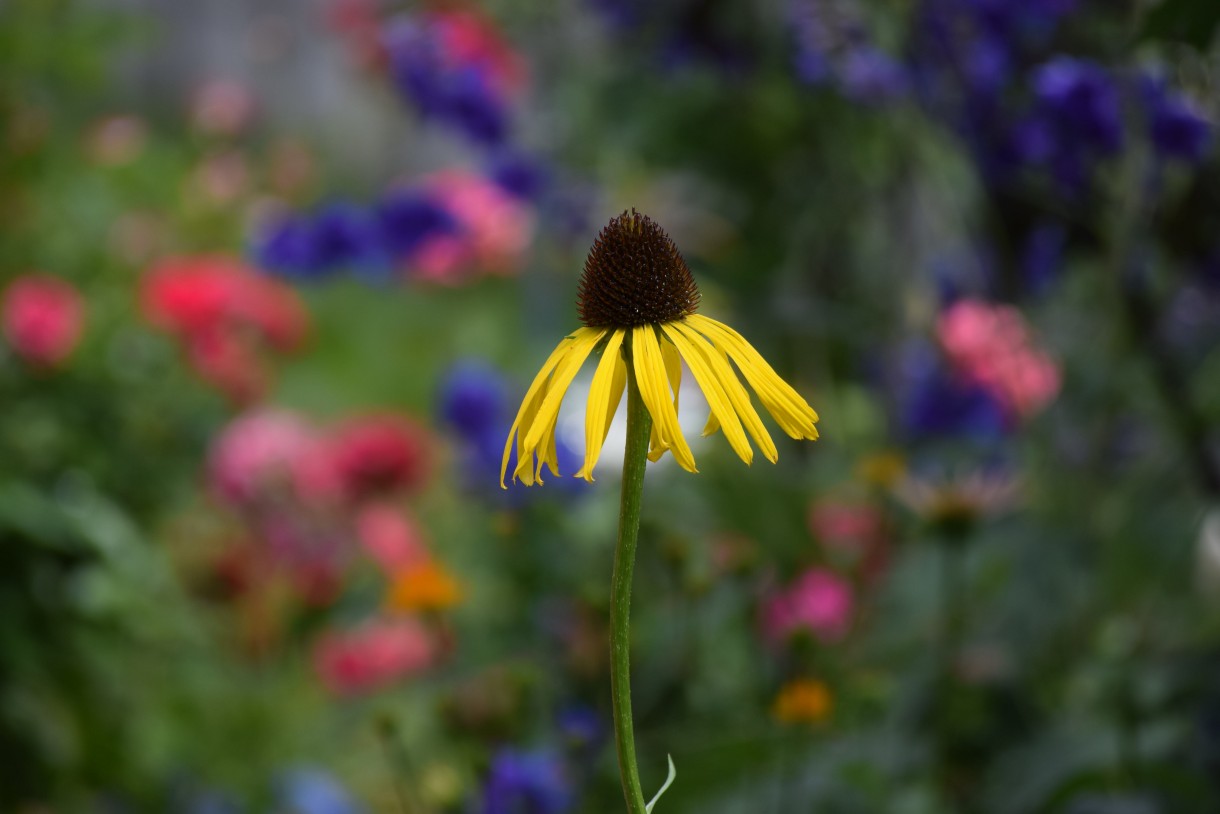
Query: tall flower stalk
point(635, 458)
point(637, 300)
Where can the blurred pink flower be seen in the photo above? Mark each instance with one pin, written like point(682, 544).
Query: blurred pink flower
point(391, 538)
point(845, 525)
point(359, 23)
point(992, 346)
point(227, 362)
point(222, 107)
point(372, 656)
point(856, 531)
point(468, 39)
point(220, 178)
point(116, 140)
point(226, 314)
point(819, 602)
point(373, 455)
point(495, 229)
point(258, 451)
point(43, 318)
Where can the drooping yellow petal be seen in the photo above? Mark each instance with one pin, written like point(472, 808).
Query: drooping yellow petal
point(717, 399)
point(650, 375)
point(529, 405)
point(583, 342)
point(604, 395)
point(540, 411)
point(722, 369)
point(786, 406)
point(673, 372)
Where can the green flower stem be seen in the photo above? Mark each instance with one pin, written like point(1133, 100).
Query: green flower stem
point(635, 457)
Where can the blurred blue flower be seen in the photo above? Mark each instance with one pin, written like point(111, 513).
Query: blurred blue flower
point(1083, 100)
point(1176, 128)
point(869, 75)
point(473, 401)
point(519, 175)
point(1042, 256)
point(208, 802)
point(306, 790)
point(582, 727)
point(527, 783)
point(338, 236)
point(469, 102)
point(473, 398)
point(937, 404)
point(406, 219)
point(461, 96)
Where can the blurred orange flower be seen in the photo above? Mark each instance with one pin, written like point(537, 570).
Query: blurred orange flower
point(425, 587)
point(803, 701)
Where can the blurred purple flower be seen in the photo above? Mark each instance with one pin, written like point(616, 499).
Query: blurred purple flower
point(519, 175)
point(1177, 129)
point(407, 219)
point(305, 790)
point(582, 727)
point(453, 68)
point(1042, 256)
point(1084, 102)
point(527, 783)
point(871, 76)
point(937, 404)
point(473, 398)
point(338, 236)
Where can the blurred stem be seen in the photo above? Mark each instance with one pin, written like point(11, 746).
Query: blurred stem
point(951, 598)
point(635, 457)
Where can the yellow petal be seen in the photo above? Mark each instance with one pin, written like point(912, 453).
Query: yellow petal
point(651, 377)
point(529, 405)
point(673, 372)
point(736, 393)
point(604, 395)
point(543, 426)
point(717, 399)
point(786, 406)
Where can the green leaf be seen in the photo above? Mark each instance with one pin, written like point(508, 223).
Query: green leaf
point(1190, 21)
point(668, 782)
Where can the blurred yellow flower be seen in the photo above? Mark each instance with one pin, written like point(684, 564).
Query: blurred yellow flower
point(425, 587)
point(803, 701)
point(882, 469)
point(637, 299)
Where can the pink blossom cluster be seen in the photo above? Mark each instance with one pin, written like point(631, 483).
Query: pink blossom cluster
point(317, 500)
point(818, 603)
point(470, 41)
point(992, 346)
point(373, 655)
point(494, 229)
point(42, 319)
point(229, 318)
point(852, 532)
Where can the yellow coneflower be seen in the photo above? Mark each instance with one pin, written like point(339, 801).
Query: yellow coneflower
point(803, 701)
point(637, 300)
point(425, 587)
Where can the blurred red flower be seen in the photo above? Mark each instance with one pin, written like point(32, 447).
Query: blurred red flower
point(374, 455)
point(227, 314)
point(43, 318)
point(372, 656)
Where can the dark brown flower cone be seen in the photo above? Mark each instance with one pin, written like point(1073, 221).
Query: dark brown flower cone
point(634, 275)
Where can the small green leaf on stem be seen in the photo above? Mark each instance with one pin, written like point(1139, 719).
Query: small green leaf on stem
point(668, 782)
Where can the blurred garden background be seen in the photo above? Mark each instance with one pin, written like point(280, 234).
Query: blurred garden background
point(274, 277)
